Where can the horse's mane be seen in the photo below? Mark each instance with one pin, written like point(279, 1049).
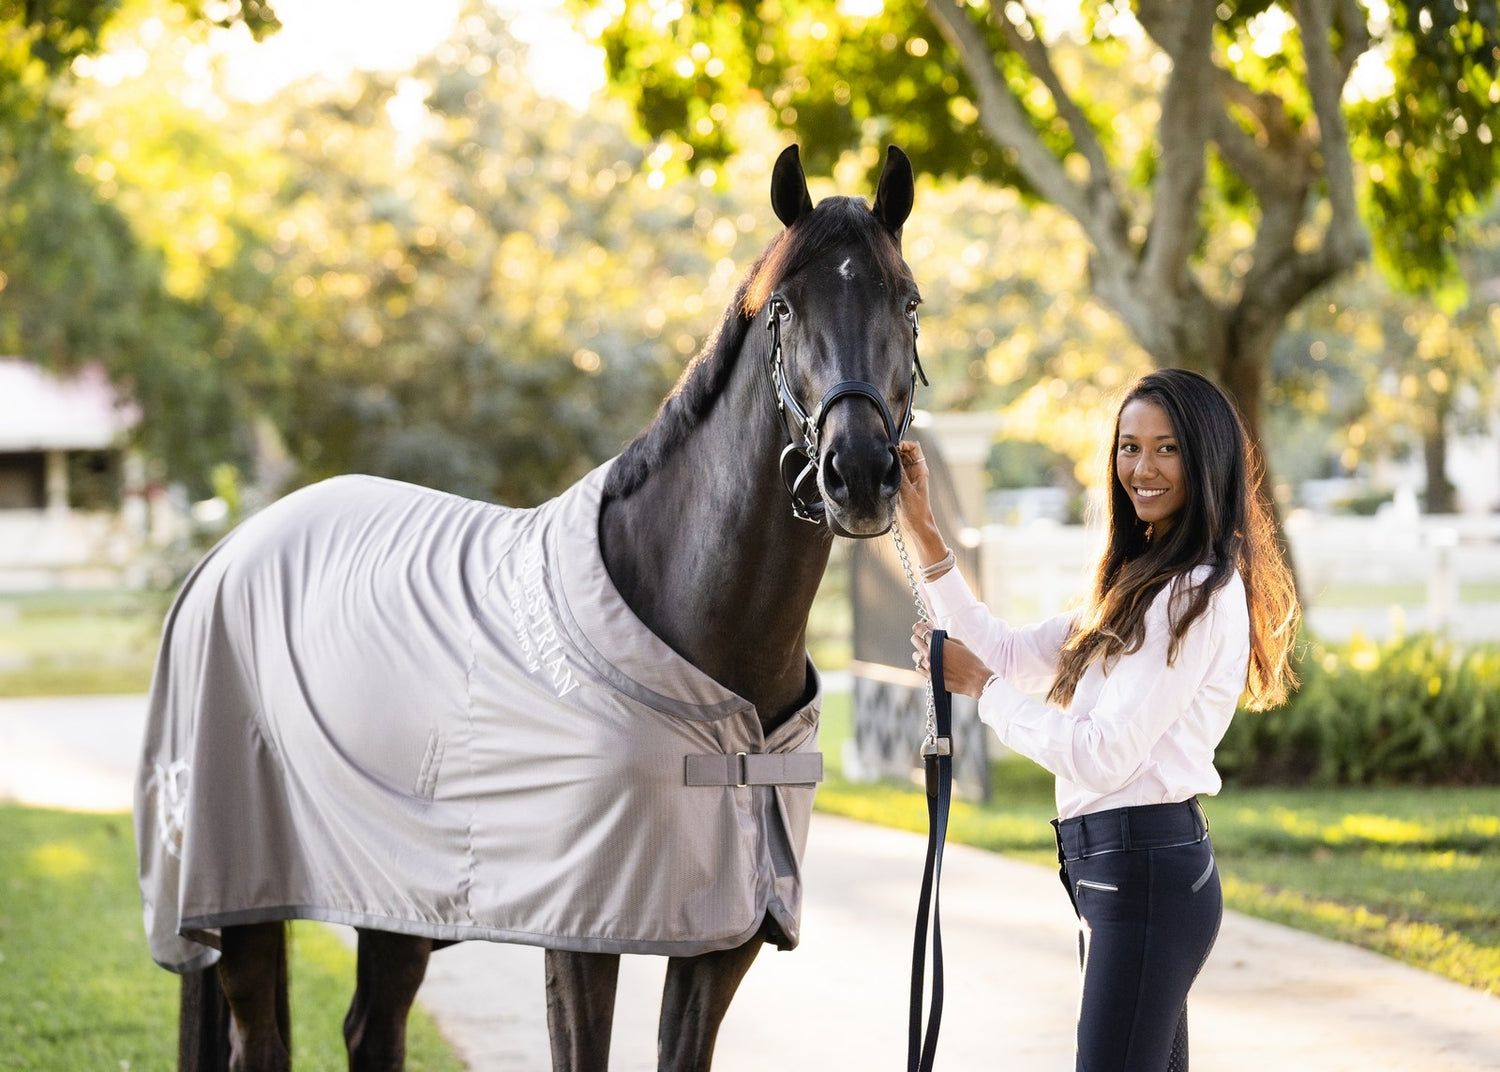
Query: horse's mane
point(836, 220)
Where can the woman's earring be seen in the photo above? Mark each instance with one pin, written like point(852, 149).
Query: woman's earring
point(1148, 532)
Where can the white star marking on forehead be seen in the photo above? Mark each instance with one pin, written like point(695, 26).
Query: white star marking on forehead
point(844, 269)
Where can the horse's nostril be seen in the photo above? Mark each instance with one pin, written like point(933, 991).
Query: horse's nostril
point(861, 472)
point(834, 484)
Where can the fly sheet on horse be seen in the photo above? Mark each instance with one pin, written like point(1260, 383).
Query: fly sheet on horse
point(590, 726)
point(394, 708)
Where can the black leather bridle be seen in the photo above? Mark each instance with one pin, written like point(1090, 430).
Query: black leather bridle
point(800, 459)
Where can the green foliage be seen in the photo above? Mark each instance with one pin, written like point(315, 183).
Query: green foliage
point(78, 989)
point(1414, 711)
point(1431, 147)
point(837, 80)
point(438, 276)
point(831, 78)
point(79, 282)
point(56, 32)
point(77, 285)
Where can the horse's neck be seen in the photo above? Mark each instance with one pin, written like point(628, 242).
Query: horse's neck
point(708, 555)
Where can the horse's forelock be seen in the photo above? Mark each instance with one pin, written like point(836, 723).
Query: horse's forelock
point(836, 220)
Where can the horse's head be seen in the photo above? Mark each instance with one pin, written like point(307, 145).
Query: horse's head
point(840, 306)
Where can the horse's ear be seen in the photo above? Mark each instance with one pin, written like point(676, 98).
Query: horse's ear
point(789, 196)
point(894, 194)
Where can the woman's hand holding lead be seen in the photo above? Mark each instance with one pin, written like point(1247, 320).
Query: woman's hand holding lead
point(963, 671)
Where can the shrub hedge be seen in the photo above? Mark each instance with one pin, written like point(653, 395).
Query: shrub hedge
point(1415, 710)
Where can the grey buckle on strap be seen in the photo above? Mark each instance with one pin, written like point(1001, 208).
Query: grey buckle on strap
point(755, 768)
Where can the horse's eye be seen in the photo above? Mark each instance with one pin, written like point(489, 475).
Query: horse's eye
point(780, 309)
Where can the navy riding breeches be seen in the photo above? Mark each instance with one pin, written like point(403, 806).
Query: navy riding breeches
point(1146, 889)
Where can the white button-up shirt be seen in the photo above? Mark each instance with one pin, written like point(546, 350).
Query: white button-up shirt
point(1139, 731)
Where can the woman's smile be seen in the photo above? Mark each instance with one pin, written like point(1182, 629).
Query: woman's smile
point(1149, 463)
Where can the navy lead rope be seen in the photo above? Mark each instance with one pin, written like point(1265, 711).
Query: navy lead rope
point(937, 763)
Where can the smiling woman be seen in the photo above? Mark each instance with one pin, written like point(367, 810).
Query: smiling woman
point(1192, 607)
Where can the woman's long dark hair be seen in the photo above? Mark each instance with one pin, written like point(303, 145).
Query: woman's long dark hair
point(1224, 524)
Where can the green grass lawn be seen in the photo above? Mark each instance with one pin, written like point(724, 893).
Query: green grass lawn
point(1410, 872)
point(78, 643)
point(1410, 595)
point(78, 990)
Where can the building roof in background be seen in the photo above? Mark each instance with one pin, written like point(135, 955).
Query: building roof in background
point(41, 410)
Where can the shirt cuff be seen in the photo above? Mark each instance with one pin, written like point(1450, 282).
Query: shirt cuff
point(948, 593)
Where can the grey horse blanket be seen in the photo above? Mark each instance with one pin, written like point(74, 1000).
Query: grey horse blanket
point(385, 706)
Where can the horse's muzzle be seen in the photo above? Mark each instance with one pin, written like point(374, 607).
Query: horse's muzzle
point(859, 478)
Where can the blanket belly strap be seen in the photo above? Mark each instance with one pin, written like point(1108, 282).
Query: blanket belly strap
point(755, 768)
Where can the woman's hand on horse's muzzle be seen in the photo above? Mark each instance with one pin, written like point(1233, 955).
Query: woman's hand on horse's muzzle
point(913, 506)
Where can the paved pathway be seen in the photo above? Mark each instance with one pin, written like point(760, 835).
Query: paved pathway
point(1270, 998)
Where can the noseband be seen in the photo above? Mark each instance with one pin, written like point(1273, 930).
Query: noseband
point(800, 460)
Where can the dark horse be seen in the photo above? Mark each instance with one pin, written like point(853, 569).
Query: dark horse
point(790, 415)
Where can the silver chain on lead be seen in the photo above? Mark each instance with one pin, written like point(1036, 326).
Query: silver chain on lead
point(930, 726)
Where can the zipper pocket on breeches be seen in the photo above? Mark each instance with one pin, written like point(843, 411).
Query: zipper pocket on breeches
point(1105, 887)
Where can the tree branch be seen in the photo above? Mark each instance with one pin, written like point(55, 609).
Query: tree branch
point(1003, 117)
point(1031, 49)
point(1097, 207)
point(1354, 24)
point(1184, 129)
point(1280, 158)
point(1346, 238)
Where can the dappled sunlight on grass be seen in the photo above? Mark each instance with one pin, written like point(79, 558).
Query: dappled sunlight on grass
point(1427, 861)
point(1419, 942)
point(1379, 828)
point(58, 860)
point(1322, 824)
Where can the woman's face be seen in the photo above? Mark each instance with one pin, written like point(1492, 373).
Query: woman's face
point(1149, 464)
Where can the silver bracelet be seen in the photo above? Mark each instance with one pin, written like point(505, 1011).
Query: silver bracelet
point(947, 562)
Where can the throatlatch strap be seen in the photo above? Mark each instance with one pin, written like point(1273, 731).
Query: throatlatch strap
point(937, 762)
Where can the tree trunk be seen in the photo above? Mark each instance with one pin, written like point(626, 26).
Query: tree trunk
point(1242, 375)
point(1442, 496)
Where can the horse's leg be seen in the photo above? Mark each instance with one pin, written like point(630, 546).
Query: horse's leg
point(253, 974)
point(203, 1023)
point(581, 1008)
point(389, 970)
point(696, 997)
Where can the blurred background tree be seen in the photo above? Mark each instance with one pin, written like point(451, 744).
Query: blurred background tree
point(442, 273)
point(1224, 161)
point(77, 280)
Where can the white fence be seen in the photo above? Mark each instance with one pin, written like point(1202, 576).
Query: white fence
point(47, 549)
point(1374, 575)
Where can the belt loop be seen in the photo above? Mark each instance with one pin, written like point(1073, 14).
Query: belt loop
point(1125, 829)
